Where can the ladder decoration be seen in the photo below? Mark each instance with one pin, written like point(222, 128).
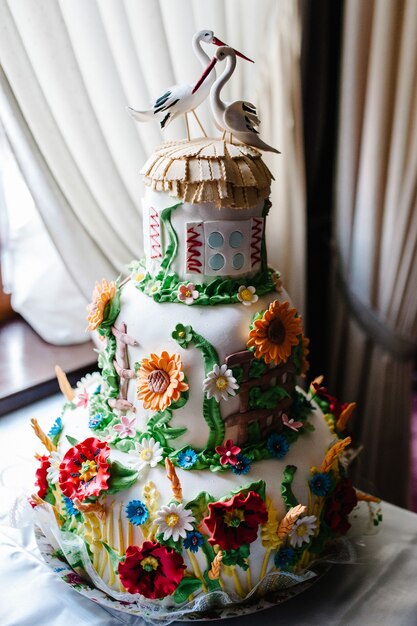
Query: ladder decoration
point(121, 365)
point(269, 420)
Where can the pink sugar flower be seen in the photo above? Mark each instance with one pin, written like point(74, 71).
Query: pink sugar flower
point(187, 293)
point(126, 428)
point(83, 399)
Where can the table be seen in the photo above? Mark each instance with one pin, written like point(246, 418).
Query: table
point(379, 590)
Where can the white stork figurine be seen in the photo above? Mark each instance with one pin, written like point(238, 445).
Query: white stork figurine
point(239, 118)
point(180, 99)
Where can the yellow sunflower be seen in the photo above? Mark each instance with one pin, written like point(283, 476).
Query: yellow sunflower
point(103, 293)
point(275, 333)
point(160, 381)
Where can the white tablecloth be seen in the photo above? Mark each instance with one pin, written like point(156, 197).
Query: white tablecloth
point(380, 589)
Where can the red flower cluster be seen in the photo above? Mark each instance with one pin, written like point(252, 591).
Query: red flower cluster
point(236, 521)
point(228, 453)
point(339, 505)
point(84, 470)
point(335, 407)
point(41, 472)
point(152, 570)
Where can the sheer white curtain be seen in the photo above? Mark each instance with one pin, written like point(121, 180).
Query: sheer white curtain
point(70, 67)
point(375, 303)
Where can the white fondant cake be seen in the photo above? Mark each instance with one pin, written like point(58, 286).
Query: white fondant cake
point(193, 469)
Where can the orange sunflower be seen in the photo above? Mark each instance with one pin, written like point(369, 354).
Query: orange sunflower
point(103, 293)
point(160, 381)
point(275, 333)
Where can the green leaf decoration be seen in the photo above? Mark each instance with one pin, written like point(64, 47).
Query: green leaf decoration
point(238, 374)
point(158, 426)
point(71, 440)
point(186, 588)
point(125, 445)
point(257, 368)
point(286, 487)
point(49, 497)
point(237, 557)
point(268, 399)
point(199, 506)
point(114, 557)
point(121, 477)
point(182, 400)
point(111, 311)
point(170, 543)
point(258, 487)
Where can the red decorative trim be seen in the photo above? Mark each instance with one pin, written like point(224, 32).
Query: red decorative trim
point(256, 240)
point(194, 245)
point(155, 234)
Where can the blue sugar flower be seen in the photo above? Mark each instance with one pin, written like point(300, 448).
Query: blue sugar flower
point(277, 445)
point(136, 512)
point(95, 421)
point(284, 558)
point(242, 465)
point(187, 458)
point(55, 428)
point(97, 390)
point(320, 484)
point(193, 541)
point(69, 505)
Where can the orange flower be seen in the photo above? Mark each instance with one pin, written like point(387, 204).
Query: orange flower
point(103, 293)
point(274, 334)
point(160, 381)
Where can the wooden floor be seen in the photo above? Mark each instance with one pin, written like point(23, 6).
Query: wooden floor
point(27, 364)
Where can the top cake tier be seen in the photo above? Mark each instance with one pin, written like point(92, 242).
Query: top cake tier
point(204, 214)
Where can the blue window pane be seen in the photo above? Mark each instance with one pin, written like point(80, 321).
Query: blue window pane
point(238, 261)
point(216, 262)
point(236, 239)
point(215, 240)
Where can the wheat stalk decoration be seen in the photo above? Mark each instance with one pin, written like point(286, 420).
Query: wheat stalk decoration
point(90, 507)
point(64, 384)
point(175, 481)
point(345, 416)
point(214, 573)
point(289, 520)
point(333, 453)
point(41, 435)
point(366, 497)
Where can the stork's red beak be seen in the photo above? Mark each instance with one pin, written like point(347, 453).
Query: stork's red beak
point(218, 42)
point(205, 74)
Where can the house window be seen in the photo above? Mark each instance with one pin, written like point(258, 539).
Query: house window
point(227, 247)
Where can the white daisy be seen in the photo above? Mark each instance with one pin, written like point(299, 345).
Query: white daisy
point(147, 452)
point(220, 383)
point(247, 295)
point(174, 521)
point(52, 473)
point(302, 530)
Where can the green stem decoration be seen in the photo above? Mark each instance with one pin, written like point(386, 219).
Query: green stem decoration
point(286, 487)
point(172, 247)
point(211, 408)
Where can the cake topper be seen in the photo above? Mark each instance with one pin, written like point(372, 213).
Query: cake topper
point(181, 99)
point(239, 118)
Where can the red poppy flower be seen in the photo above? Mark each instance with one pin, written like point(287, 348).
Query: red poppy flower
point(228, 453)
point(236, 521)
point(41, 472)
point(84, 470)
point(152, 570)
point(339, 505)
